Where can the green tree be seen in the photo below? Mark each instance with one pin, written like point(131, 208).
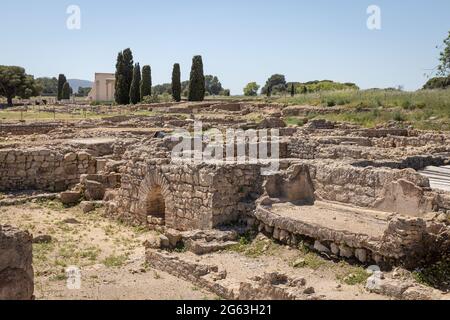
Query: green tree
point(213, 85)
point(444, 66)
point(66, 91)
point(83, 91)
point(49, 86)
point(124, 76)
point(14, 82)
point(197, 80)
point(119, 95)
point(135, 93)
point(159, 89)
point(275, 84)
point(176, 82)
point(251, 89)
point(146, 82)
point(292, 90)
point(61, 81)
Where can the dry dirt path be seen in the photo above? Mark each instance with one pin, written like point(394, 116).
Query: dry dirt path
point(110, 256)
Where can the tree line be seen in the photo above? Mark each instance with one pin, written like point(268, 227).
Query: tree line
point(277, 85)
point(133, 85)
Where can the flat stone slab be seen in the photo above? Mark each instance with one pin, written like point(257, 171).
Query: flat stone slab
point(92, 141)
point(336, 217)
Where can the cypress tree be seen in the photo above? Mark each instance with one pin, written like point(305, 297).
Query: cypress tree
point(146, 82)
point(65, 94)
point(197, 80)
point(119, 85)
point(135, 94)
point(61, 81)
point(124, 76)
point(128, 71)
point(292, 90)
point(176, 82)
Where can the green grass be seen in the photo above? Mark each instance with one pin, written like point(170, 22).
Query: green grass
point(351, 275)
point(424, 109)
point(55, 205)
point(436, 275)
point(254, 248)
point(115, 261)
point(295, 121)
point(308, 259)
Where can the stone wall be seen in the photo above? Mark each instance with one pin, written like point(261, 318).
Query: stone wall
point(359, 186)
point(16, 271)
point(28, 129)
point(42, 169)
point(195, 196)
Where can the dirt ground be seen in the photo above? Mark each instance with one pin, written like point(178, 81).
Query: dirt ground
point(109, 255)
point(330, 280)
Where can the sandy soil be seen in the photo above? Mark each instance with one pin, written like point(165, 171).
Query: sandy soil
point(109, 255)
point(331, 281)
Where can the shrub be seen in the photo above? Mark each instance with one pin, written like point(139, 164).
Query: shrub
point(398, 116)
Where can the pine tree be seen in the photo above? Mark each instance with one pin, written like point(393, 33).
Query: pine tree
point(135, 94)
point(197, 80)
point(124, 76)
point(65, 94)
point(61, 81)
point(146, 82)
point(292, 90)
point(176, 82)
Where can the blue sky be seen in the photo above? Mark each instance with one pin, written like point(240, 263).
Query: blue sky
point(240, 40)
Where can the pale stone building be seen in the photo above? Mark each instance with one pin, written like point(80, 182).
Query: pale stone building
point(103, 88)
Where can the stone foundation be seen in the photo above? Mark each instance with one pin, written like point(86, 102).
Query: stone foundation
point(16, 271)
point(42, 169)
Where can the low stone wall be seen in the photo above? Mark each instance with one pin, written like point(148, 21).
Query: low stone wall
point(269, 286)
point(29, 129)
point(362, 187)
point(16, 271)
point(42, 169)
point(417, 163)
point(406, 241)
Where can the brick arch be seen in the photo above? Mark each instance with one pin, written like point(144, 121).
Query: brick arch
point(155, 197)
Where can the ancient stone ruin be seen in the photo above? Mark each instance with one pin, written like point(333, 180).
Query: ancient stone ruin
point(16, 271)
point(354, 194)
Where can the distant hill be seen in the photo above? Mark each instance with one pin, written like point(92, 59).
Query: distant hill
point(76, 83)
